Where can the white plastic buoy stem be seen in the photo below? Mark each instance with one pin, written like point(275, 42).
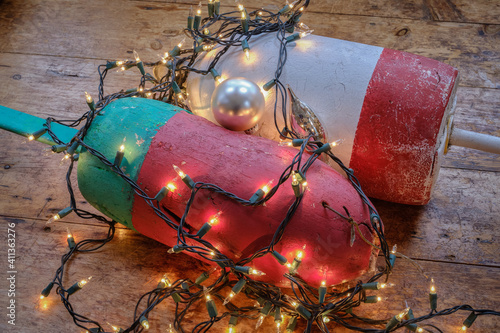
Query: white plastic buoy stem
point(463, 138)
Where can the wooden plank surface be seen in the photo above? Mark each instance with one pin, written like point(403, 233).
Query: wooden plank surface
point(111, 294)
point(48, 56)
point(153, 28)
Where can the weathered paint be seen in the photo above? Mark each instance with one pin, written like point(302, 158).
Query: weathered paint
point(241, 164)
point(401, 127)
point(136, 120)
point(332, 77)
point(25, 124)
point(328, 74)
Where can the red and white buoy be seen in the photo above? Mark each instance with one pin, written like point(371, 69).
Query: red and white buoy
point(393, 109)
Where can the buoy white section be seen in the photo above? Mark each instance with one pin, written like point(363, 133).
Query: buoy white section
point(330, 75)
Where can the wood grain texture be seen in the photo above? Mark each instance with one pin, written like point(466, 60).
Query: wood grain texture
point(483, 11)
point(115, 287)
point(49, 52)
point(42, 28)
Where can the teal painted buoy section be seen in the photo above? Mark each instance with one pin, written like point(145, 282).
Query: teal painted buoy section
point(136, 120)
point(25, 124)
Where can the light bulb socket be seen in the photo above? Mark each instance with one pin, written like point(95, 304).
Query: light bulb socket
point(65, 212)
point(321, 294)
point(292, 38)
point(39, 133)
point(203, 230)
point(233, 320)
point(244, 44)
point(281, 258)
point(285, 9)
point(217, 7)
point(371, 286)
point(118, 158)
point(73, 289)
point(371, 299)
point(45, 292)
point(244, 25)
point(269, 85)
point(266, 308)
point(190, 22)
point(160, 195)
point(303, 312)
point(257, 196)
point(392, 259)
point(325, 147)
point(58, 148)
point(203, 277)
point(433, 298)
point(176, 297)
point(239, 286)
point(243, 269)
point(197, 21)
point(393, 322)
point(211, 8)
point(71, 242)
point(211, 308)
point(176, 50)
point(412, 327)
point(140, 65)
point(71, 150)
point(292, 323)
point(470, 320)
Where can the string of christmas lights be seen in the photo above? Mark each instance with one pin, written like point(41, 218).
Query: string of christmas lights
point(304, 304)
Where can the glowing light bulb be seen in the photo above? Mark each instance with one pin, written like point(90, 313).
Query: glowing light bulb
point(88, 97)
point(136, 56)
point(240, 7)
point(386, 285)
point(336, 142)
point(144, 322)
point(54, 218)
point(31, 137)
point(214, 219)
point(256, 272)
point(84, 282)
point(268, 186)
point(243, 16)
point(181, 42)
point(394, 249)
point(228, 298)
point(433, 287)
point(247, 54)
point(403, 314)
point(260, 321)
point(179, 171)
point(198, 11)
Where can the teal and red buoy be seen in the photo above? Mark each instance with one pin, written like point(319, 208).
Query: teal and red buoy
point(157, 135)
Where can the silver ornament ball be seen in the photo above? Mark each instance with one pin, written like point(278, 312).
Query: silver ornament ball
point(238, 104)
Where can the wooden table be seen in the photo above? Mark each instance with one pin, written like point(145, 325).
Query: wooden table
point(49, 52)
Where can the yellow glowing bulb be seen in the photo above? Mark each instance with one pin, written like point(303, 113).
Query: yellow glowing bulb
point(122, 148)
point(301, 9)
point(243, 15)
point(464, 328)
point(379, 299)
point(300, 254)
point(323, 283)
point(31, 138)
point(136, 56)
point(42, 297)
point(122, 68)
point(179, 171)
point(84, 282)
point(268, 186)
point(419, 329)
point(256, 272)
point(240, 7)
point(88, 97)
point(119, 63)
point(394, 249)
point(171, 187)
point(433, 287)
point(247, 54)
point(181, 42)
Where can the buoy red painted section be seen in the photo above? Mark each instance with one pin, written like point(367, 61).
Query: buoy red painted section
point(400, 127)
point(241, 164)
